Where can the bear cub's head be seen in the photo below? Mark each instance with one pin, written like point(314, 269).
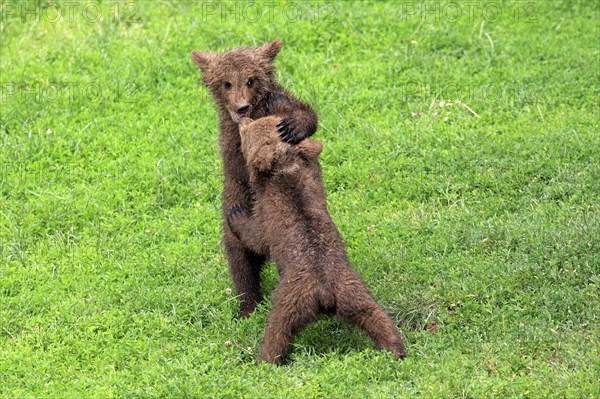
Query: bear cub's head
point(264, 150)
point(240, 78)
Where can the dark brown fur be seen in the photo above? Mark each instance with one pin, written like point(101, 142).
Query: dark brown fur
point(290, 221)
point(242, 82)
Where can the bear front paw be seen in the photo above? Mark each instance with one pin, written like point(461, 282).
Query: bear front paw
point(237, 214)
point(290, 131)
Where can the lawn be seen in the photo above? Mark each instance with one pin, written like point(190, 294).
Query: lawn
point(461, 164)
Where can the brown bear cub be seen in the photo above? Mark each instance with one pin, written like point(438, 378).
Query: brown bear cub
point(242, 82)
point(290, 222)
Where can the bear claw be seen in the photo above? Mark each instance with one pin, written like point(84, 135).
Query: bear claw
point(288, 132)
point(235, 213)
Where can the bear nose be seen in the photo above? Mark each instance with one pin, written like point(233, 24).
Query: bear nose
point(241, 108)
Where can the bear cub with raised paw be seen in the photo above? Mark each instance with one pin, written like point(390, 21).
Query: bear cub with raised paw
point(290, 222)
point(242, 83)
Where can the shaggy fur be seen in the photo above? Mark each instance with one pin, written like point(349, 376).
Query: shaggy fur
point(290, 221)
point(242, 82)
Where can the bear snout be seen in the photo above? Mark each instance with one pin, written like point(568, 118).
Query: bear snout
point(242, 108)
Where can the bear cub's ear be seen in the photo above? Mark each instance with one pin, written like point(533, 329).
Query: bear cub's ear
point(244, 123)
point(203, 60)
point(309, 149)
point(270, 50)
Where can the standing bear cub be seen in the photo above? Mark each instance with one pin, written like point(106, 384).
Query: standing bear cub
point(290, 222)
point(242, 82)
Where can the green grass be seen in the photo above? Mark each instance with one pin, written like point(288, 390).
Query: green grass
point(479, 235)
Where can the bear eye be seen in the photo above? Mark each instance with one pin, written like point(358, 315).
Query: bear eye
point(250, 82)
point(227, 85)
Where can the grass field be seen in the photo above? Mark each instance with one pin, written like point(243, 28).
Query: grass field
point(461, 163)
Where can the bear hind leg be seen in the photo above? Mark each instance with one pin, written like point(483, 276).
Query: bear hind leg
point(245, 269)
point(292, 310)
point(355, 304)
